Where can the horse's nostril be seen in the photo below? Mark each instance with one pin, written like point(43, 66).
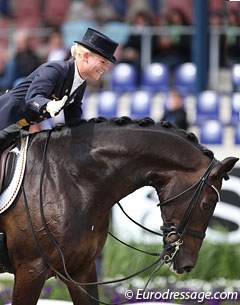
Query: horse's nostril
point(188, 268)
point(184, 269)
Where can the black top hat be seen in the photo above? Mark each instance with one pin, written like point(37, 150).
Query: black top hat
point(99, 43)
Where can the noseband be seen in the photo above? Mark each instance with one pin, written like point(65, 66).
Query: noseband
point(172, 232)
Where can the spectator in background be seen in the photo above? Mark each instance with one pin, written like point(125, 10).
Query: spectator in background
point(174, 111)
point(174, 48)
point(6, 71)
point(88, 10)
point(5, 8)
point(132, 49)
point(56, 49)
point(216, 19)
point(21, 64)
point(232, 38)
point(120, 7)
point(25, 58)
point(134, 6)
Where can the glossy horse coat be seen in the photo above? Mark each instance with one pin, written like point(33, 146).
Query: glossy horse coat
point(88, 168)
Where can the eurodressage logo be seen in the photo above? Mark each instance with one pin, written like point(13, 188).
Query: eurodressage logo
point(141, 206)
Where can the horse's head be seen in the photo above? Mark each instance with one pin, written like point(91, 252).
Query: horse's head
point(186, 212)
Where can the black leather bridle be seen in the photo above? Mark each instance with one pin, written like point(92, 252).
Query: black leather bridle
point(172, 232)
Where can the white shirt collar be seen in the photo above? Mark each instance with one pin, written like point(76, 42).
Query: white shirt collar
point(77, 77)
point(77, 80)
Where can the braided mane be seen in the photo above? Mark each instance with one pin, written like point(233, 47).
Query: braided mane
point(146, 122)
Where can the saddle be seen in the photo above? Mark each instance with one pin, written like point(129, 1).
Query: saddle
point(8, 159)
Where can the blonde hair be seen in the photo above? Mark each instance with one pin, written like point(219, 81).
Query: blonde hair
point(78, 50)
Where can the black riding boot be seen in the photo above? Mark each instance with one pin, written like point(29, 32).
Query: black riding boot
point(5, 263)
point(7, 135)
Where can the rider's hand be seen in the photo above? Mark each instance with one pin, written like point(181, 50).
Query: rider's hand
point(54, 107)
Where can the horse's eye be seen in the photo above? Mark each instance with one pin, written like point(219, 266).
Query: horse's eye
point(207, 206)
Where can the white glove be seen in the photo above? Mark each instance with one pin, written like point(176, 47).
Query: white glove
point(54, 107)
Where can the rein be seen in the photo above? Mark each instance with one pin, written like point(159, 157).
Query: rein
point(136, 223)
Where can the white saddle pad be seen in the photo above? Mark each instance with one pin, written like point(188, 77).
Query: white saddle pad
point(9, 194)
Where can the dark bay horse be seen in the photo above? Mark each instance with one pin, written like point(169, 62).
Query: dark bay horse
point(87, 169)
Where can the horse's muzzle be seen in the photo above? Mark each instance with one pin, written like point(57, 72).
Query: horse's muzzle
point(183, 263)
point(184, 269)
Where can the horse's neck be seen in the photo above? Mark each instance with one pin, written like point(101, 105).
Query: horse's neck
point(128, 158)
point(147, 146)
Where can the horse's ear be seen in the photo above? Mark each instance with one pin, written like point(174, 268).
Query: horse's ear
point(224, 167)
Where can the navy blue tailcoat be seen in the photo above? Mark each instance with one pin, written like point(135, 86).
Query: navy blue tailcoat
point(52, 80)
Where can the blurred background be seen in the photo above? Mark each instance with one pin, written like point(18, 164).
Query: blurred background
point(178, 61)
point(167, 49)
